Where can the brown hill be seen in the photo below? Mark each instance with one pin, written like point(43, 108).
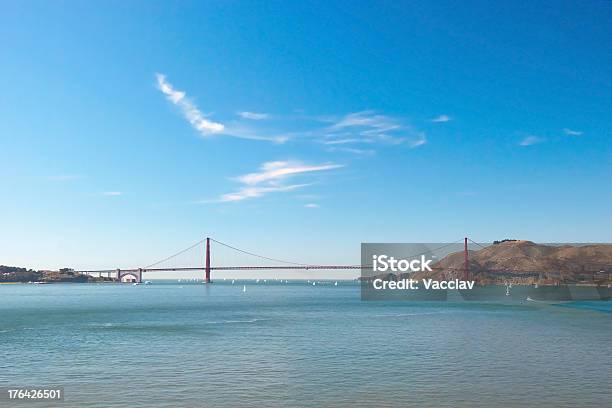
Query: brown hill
point(525, 260)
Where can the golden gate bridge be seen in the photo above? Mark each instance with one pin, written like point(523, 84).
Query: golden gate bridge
point(135, 274)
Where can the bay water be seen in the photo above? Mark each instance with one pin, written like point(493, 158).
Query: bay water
point(272, 344)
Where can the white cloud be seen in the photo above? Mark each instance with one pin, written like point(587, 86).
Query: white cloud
point(253, 115)
point(367, 119)
point(271, 178)
point(353, 128)
point(242, 131)
point(531, 140)
point(353, 150)
point(441, 119)
point(190, 111)
point(371, 127)
point(345, 141)
point(253, 192)
point(418, 142)
point(207, 127)
point(368, 125)
point(571, 132)
point(311, 205)
point(277, 170)
point(112, 193)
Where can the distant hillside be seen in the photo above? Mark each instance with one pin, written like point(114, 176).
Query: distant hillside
point(526, 260)
point(17, 274)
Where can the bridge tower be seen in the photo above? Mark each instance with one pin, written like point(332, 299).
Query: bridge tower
point(466, 262)
point(207, 273)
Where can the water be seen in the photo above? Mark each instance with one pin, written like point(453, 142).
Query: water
point(298, 345)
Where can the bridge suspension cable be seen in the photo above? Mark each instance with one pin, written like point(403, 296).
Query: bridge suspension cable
point(476, 243)
point(256, 255)
point(176, 254)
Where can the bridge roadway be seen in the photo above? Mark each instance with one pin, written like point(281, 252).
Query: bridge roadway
point(227, 268)
point(245, 268)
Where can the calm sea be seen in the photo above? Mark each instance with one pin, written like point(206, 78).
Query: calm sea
point(298, 345)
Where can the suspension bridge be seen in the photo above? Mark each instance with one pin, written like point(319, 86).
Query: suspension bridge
point(134, 275)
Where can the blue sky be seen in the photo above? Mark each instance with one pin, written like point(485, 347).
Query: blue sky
point(299, 129)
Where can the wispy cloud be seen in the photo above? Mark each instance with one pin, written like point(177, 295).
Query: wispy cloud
point(352, 150)
point(441, 119)
point(311, 205)
point(253, 192)
point(253, 115)
point(531, 140)
point(417, 142)
point(366, 126)
point(278, 170)
point(345, 141)
point(247, 131)
point(207, 127)
point(112, 193)
point(190, 111)
point(571, 132)
point(371, 127)
point(272, 177)
point(368, 120)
